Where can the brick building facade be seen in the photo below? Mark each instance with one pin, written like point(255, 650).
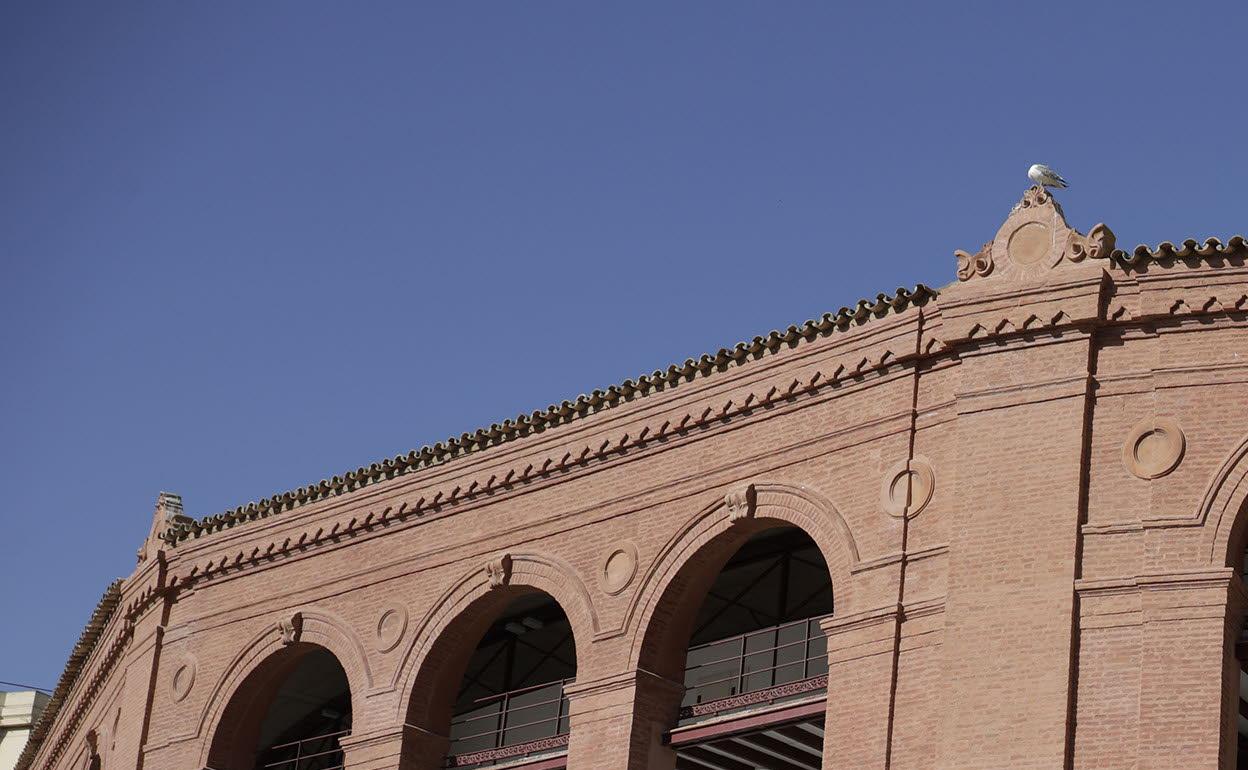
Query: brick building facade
point(997, 525)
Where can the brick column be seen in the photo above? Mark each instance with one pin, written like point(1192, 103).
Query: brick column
point(862, 654)
point(402, 748)
point(618, 722)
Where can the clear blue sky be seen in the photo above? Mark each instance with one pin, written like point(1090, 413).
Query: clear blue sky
point(247, 246)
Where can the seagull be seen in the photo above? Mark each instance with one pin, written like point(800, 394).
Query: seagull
point(1045, 176)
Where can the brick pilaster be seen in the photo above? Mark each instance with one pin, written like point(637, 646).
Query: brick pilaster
point(618, 722)
point(1013, 555)
point(1189, 704)
point(403, 748)
point(862, 653)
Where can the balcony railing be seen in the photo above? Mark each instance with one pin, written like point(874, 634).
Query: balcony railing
point(511, 724)
point(774, 662)
point(320, 752)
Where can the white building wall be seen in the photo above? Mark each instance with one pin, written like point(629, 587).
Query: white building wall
point(18, 712)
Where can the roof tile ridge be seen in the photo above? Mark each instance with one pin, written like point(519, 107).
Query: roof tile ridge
point(1189, 250)
point(91, 634)
point(539, 420)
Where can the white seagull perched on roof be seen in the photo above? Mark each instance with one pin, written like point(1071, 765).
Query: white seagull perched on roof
point(1045, 176)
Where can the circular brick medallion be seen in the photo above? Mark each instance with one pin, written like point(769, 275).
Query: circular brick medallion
point(908, 487)
point(1154, 447)
point(183, 679)
point(618, 568)
point(1030, 243)
point(391, 625)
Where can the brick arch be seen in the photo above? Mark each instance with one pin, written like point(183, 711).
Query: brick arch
point(1224, 509)
point(265, 660)
point(689, 563)
point(429, 672)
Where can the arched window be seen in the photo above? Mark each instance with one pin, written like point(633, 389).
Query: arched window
point(1240, 661)
point(289, 714)
point(510, 702)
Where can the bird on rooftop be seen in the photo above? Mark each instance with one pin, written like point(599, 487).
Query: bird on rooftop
point(1045, 176)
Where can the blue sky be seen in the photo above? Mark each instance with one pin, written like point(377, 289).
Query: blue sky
point(247, 246)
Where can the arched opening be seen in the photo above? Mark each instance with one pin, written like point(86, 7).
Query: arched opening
point(1237, 662)
point(495, 684)
point(289, 714)
point(1235, 657)
point(749, 649)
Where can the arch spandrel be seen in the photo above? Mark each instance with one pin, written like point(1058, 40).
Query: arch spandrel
point(477, 598)
point(1224, 508)
point(320, 628)
point(722, 526)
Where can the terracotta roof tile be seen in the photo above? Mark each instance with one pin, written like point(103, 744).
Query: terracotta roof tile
point(555, 414)
point(1190, 249)
point(86, 644)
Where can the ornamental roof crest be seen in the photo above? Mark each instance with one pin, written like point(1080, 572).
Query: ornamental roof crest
point(1033, 241)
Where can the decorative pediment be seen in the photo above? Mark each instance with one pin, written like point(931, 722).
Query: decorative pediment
point(1034, 240)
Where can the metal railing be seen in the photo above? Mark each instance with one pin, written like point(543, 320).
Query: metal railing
point(755, 661)
point(321, 752)
point(515, 718)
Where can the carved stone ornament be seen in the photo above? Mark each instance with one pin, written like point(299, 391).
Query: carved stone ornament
point(618, 568)
point(391, 625)
point(1154, 447)
point(168, 512)
point(1097, 244)
point(498, 570)
point(183, 679)
point(971, 265)
point(741, 503)
point(291, 628)
point(907, 488)
point(1033, 240)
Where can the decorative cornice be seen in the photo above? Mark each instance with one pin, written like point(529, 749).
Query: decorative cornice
point(152, 577)
point(1098, 243)
point(558, 414)
point(508, 752)
point(87, 643)
point(768, 695)
point(765, 395)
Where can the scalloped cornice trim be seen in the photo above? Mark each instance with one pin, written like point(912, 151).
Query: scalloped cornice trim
point(86, 644)
point(1190, 250)
point(556, 414)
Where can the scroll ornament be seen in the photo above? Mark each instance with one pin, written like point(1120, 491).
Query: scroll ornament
point(741, 503)
point(499, 571)
point(1034, 197)
point(971, 265)
point(291, 628)
point(1097, 244)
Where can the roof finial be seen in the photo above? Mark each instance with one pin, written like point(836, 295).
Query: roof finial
point(168, 511)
